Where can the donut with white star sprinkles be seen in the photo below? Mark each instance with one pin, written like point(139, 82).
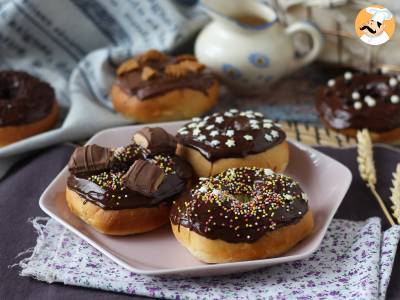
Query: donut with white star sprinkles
point(241, 214)
point(232, 139)
point(351, 102)
point(129, 189)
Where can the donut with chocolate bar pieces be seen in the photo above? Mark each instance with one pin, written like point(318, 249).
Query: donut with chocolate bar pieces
point(233, 139)
point(27, 106)
point(155, 87)
point(126, 190)
point(352, 102)
point(241, 214)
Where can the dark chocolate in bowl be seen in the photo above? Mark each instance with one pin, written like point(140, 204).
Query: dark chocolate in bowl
point(336, 105)
point(24, 99)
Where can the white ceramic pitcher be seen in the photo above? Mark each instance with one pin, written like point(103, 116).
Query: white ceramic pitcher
point(246, 45)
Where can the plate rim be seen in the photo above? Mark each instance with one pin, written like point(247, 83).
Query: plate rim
point(252, 263)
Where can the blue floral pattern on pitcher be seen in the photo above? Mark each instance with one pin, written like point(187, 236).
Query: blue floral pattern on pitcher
point(259, 60)
point(231, 71)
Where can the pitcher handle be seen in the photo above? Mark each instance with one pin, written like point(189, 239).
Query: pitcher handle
point(316, 38)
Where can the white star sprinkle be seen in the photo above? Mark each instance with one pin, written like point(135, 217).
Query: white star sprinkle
point(304, 196)
point(234, 110)
point(219, 119)
point(288, 197)
point(357, 105)
point(258, 114)
point(201, 124)
point(196, 131)
point(254, 121)
point(192, 125)
point(355, 95)
point(267, 125)
point(268, 137)
point(248, 137)
point(230, 132)
point(254, 126)
point(209, 127)
point(370, 101)
point(228, 114)
point(230, 143)
point(348, 75)
point(275, 133)
point(201, 138)
point(183, 132)
point(196, 119)
point(203, 189)
point(268, 172)
point(214, 143)
point(394, 99)
point(393, 82)
point(331, 82)
point(214, 133)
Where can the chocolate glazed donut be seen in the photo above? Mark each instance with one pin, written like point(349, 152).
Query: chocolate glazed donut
point(232, 139)
point(155, 87)
point(126, 190)
point(357, 101)
point(241, 214)
point(27, 106)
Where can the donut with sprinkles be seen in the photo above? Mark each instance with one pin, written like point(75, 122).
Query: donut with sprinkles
point(240, 214)
point(232, 139)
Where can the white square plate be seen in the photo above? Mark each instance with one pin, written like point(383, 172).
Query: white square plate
point(325, 180)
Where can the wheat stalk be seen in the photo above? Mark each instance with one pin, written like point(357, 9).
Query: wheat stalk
point(395, 189)
point(366, 167)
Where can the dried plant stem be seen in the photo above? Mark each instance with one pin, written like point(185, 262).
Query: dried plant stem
point(382, 204)
point(395, 198)
point(366, 166)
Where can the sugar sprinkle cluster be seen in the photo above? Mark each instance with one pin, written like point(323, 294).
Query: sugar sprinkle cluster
point(369, 100)
point(243, 198)
point(231, 128)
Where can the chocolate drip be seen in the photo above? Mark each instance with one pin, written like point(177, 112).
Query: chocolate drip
point(156, 140)
point(232, 134)
point(336, 105)
point(144, 177)
point(241, 206)
point(23, 98)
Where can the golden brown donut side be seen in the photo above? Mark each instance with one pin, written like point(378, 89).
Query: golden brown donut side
point(177, 104)
point(12, 134)
point(275, 158)
point(272, 244)
point(117, 222)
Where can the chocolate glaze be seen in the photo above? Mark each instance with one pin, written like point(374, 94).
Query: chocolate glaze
point(106, 188)
point(249, 130)
point(335, 105)
point(132, 83)
point(252, 202)
point(23, 98)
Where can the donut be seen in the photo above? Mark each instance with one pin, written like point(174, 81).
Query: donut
point(231, 140)
point(27, 106)
point(241, 214)
point(154, 87)
point(356, 101)
point(125, 190)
